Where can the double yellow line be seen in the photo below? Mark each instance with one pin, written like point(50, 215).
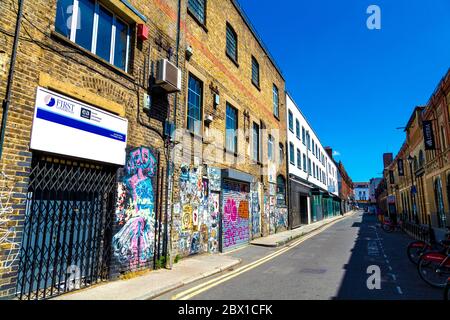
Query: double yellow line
point(194, 291)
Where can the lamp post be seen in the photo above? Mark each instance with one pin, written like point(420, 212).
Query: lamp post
point(413, 189)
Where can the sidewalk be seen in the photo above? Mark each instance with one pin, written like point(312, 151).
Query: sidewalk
point(156, 282)
point(187, 271)
point(280, 239)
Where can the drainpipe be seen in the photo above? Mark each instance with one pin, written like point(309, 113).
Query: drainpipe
point(7, 100)
point(169, 179)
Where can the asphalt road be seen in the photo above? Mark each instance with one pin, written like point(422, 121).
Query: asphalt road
point(330, 265)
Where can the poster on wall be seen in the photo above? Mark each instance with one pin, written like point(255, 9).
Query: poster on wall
point(69, 127)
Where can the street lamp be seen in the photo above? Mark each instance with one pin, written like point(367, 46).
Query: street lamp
point(413, 188)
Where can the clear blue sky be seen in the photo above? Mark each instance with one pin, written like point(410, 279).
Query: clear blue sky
point(355, 85)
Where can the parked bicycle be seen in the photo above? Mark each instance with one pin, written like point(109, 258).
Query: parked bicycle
point(434, 266)
point(416, 248)
point(390, 226)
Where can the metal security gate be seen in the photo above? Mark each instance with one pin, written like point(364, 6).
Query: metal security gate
point(68, 226)
point(235, 215)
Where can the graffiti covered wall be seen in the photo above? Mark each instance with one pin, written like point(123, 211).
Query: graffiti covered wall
point(235, 218)
point(198, 207)
point(255, 210)
point(134, 243)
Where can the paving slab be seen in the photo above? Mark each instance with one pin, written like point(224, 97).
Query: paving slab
point(157, 282)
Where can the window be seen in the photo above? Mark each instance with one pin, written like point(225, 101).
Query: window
point(291, 121)
point(308, 141)
point(314, 170)
point(256, 141)
point(304, 135)
point(291, 153)
point(313, 147)
point(255, 72)
point(231, 129)
point(95, 28)
point(281, 191)
point(197, 9)
point(299, 159)
point(276, 102)
point(297, 128)
point(194, 112)
point(281, 149)
point(421, 159)
point(309, 166)
point(232, 44)
point(304, 162)
point(270, 148)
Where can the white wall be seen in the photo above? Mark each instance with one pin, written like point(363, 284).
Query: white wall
point(328, 171)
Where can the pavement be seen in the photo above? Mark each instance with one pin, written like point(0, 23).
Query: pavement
point(282, 238)
point(332, 263)
point(157, 282)
point(189, 270)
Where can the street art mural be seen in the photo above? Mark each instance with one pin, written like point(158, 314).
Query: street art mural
point(235, 220)
point(213, 222)
point(255, 211)
point(134, 243)
point(198, 208)
point(214, 177)
point(280, 219)
point(7, 232)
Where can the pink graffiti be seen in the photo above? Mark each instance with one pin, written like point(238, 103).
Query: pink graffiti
point(231, 210)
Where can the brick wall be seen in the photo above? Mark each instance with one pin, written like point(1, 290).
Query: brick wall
point(44, 54)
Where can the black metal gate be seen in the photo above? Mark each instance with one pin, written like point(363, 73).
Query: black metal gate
point(68, 227)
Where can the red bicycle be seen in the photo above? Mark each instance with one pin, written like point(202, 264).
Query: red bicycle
point(390, 226)
point(416, 248)
point(434, 266)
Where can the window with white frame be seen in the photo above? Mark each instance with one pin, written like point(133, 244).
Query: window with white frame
point(304, 163)
point(256, 141)
point(92, 26)
point(291, 153)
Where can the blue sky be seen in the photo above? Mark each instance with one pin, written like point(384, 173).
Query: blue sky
point(356, 85)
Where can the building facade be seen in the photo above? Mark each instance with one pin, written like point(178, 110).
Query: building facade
point(229, 162)
point(313, 180)
point(418, 178)
point(373, 184)
point(91, 88)
point(346, 192)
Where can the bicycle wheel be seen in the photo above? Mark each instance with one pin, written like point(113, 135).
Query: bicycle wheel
point(387, 227)
point(431, 273)
point(415, 250)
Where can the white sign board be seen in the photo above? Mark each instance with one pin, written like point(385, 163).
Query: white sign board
point(66, 126)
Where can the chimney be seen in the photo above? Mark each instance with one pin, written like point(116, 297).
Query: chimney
point(387, 159)
point(329, 151)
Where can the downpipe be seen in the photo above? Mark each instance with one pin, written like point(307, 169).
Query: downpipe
point(169, 166)
point(7, 100)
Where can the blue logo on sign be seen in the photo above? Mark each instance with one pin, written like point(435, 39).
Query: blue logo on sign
point(50, 101)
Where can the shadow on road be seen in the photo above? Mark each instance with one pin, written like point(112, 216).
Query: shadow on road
point(399, 278)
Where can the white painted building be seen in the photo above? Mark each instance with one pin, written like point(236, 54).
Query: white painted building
point(361, 190)
point(311, 170)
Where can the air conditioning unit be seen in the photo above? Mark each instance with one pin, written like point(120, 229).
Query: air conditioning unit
point(168, 76)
